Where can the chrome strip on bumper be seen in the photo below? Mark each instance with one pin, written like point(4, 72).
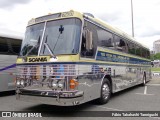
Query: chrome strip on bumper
point(55, 100)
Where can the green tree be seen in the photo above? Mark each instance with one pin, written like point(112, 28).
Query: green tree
point(157, 56)
point(152, 57)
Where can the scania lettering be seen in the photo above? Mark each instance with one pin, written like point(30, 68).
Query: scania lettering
point(38, 59)
point(69, 58)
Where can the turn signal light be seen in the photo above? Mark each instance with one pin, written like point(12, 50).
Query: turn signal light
point(73, 83)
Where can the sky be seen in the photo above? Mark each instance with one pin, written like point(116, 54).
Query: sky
point(16, 13)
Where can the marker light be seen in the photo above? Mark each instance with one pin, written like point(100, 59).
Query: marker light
point(73, 84)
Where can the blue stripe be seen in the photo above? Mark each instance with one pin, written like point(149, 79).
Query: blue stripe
point(8, 67)
point(79, 63)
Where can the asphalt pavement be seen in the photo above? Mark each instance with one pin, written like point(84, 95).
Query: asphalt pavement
point(138, 98)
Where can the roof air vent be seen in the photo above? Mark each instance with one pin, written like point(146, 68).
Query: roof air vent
point(89, 14)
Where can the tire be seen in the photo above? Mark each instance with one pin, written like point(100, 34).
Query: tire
point(105, 92)
point(144, 80)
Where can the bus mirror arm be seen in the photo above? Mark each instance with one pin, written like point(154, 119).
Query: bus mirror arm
point(89, 40)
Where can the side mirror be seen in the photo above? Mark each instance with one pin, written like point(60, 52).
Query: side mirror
point(89, 40)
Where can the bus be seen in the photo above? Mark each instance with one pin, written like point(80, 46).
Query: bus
point(69, 58)
point(9, 49)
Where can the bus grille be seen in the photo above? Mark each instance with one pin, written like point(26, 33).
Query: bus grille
point(58, 70)
point(46, 70)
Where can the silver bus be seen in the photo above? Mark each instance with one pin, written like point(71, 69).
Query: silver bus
point(9, 49)
point(69, 58)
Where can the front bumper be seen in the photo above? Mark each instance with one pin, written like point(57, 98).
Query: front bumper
point(51, 97)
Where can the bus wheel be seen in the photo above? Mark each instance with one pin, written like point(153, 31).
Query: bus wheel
point(105, 92)
point(144, 80)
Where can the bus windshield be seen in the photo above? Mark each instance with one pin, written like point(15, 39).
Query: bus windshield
point(62, 37)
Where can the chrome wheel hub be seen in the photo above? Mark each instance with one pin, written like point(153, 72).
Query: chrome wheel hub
point(105, 91)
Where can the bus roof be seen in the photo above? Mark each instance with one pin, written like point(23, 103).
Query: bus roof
point(2, 35)
point(80, 15)
point(114, 29)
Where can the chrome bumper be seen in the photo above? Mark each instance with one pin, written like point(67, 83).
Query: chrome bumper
point(53, 100)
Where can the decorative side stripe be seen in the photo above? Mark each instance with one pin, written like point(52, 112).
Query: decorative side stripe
point(8, 67)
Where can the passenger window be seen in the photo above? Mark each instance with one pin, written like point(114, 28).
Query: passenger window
point(3, 46)
point(91, 29)
point(148, 54)
point(138, 50)
point(144, 52)
point(131, 48)
point(105, 39)
point(16, 45)
point(120, 44)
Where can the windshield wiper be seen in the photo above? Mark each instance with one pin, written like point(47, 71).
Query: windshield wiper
point(49, 49)
point(61, 29)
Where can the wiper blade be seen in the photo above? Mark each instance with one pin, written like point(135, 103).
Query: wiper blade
point(30, 50)
point(49, 49)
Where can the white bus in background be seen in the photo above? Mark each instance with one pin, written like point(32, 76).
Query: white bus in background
point(9, 49)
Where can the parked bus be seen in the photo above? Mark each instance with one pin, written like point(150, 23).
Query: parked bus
point(9, 49)
point(69, 58)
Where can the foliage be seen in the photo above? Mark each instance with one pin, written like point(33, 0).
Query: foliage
point(155, 57)
point(155, 69)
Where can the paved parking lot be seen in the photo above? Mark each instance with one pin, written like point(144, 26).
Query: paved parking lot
point(139, 98)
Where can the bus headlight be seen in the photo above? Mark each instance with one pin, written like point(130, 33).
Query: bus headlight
point(61, 85)
point(18, 82)
point(54, 84)
point(22, 82)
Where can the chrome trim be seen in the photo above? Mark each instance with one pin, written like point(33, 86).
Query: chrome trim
point(105, 91)
point(81, 37)
point(52, 100)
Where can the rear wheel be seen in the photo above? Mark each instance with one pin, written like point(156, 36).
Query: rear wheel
point(144, 80)
point(105, 92)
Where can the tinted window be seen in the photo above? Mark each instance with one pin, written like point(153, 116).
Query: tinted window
point(148, 54)
point(93, 29)
point(3, 45)
point(16, 45)
point(144, 52)
point(138, 50)
point(105, 38)
point(120, 44)
point(131, 48)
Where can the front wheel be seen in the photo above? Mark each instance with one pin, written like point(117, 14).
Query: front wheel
point(105, 92)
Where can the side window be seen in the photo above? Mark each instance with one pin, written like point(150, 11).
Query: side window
point(16, 46)
point(138, 50)
point(3, 46)
point(131, 48)
point(105, 38)
point(120, 44)
point(92, 30)
point(144, 52)
point(148, 54)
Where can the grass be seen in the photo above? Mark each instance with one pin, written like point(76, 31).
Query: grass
point(155, 69)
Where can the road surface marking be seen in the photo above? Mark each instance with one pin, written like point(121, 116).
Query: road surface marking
point(109, 108)
point(153, 84)
point(145, 90)
point(143, 94)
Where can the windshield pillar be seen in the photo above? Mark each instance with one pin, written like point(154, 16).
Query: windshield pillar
point(42, 38)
